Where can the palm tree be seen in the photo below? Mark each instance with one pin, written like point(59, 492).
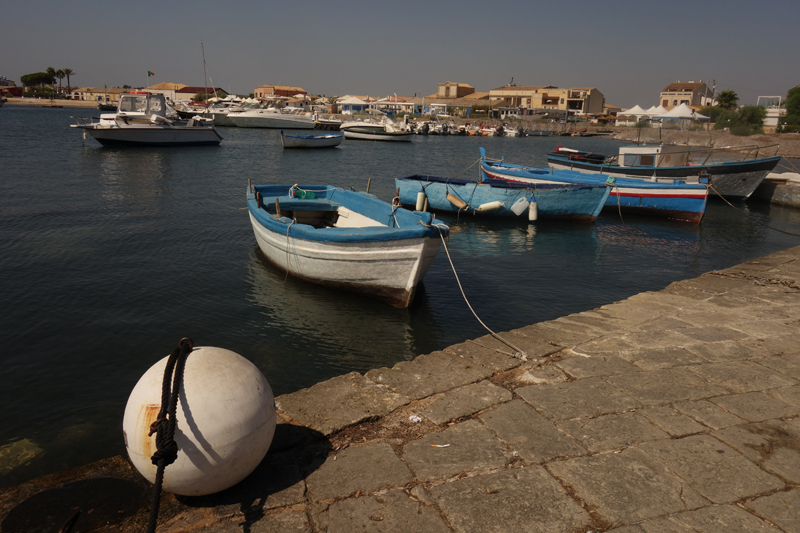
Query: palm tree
point(51, 72)
point(727, 99)
point(332, 101)
point(60, 75)
point(68, 72)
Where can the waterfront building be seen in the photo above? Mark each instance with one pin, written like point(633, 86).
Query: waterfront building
point(691, 93)
point(450, 89)
point(97, 94)
point(548, 99)
point(168, 89)
point(266, 91)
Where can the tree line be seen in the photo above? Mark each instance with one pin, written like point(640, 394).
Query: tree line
point(35, 82)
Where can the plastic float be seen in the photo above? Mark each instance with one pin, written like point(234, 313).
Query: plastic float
point(225, 419)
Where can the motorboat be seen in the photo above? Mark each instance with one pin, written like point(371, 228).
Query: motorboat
point(274, 117)
point(387, 133)
point(734, 171)
point(325, 140)
point(345, 239)
point(143, 119)
point(502, 198)
point(673, 199)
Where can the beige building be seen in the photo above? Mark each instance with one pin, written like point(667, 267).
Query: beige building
point(169, 90)
point(576, 100)
point(450, 89)
point(97, 94)
point(265, 91)
point(689, 93)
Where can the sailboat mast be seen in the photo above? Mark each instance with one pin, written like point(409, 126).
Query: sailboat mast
point(204, 72)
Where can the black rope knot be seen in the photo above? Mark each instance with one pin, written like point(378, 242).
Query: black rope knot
point(164, 426)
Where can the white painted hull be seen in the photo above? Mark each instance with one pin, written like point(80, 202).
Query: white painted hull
point(153, 135)
point(387, 269)
point(378, 135)
point(318, 141)
point(262, 119)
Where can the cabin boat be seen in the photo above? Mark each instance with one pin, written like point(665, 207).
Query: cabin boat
point(142, 120)
point(734, 172)
point(345, 239)
point(673, 199)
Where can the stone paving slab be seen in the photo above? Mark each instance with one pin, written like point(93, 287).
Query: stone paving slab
point(356, 398)
point(708, 413)
point(486, 354)
point(394, 511)
point(534, 373)
point(790, 395)
point(756, 406)
point(534, 437)
point(466, 401)
point(719, 352)
point(787, 364)
point(287, 522)
point(780, 509)
point(465, 447)
point(581, 366)
point(522, 499)
point(612, 432)
point(429, 374)
point(559, 334)
point(642, 488)
point(662, 387)
point(717, 519)
point(659, 358)
point(673, 422)
point(742, 376)
point(581, 398)
point(773, 445)
point(714, 469)
point(358, 469)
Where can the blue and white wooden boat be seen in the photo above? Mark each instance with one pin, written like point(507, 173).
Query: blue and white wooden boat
point(345, 239)
point(326, 140)
point(493, 197)
point(734, 172)
point(673, 199)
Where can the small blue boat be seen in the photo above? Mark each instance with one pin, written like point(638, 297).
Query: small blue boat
point(673, 199)
point(325, 140)
point(345, 239)
point(494, 197)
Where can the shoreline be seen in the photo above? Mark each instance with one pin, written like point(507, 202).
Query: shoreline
point(674, 408)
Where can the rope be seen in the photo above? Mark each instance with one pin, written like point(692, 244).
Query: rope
point(710, 186)
point(619, 205)
point(518, 353)
point(164, 426)
point(287, 249)
point(469, 167)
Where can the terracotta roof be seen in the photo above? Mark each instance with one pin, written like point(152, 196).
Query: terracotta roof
point(282, 87)
point(451, 83)
point(167, 86)
point(682, 86)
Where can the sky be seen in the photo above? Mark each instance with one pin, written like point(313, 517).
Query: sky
point(628, 50)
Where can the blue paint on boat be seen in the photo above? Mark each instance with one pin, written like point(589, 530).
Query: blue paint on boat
point(554, 200)
point(674, 199)
point(400, 223)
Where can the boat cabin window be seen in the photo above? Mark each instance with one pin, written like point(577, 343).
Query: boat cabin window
point(133, 104)
point(156, 107)
point(648, 160)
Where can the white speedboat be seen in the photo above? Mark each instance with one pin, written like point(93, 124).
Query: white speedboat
point(142, 119)
point(386, 133)
point(271, 117)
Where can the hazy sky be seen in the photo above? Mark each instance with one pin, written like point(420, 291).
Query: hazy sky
point(629, 50)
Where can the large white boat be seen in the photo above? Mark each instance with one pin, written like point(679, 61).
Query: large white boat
point(271, 117)
point(142, 120)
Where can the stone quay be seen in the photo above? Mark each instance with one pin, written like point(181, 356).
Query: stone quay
point(671, 411)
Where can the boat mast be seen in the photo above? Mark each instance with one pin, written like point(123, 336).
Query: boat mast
point(204, 72)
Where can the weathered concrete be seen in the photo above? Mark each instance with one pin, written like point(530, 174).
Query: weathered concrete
point(671, 411)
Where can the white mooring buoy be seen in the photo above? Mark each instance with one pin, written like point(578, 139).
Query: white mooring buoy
point(225, 422)
point(420, 201)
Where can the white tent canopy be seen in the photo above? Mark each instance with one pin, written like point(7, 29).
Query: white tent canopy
point(635, 111)
point(351, 100)
point(682, 111)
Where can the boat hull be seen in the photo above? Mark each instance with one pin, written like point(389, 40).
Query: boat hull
point(678, 201)
point(378, 135)
point(554, 201)
point(272, 120)
point(154, 136)
point(373, 263)
point(311, 141)
point(733, 179)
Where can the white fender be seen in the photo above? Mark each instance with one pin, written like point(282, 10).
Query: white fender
point(420, 200)
point(225, 422)
point(533, 211)
point(489, 206)
point(456, 201)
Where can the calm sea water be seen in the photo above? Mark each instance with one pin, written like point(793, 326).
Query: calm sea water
point(109, 256)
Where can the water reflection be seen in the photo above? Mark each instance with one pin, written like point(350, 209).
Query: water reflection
point(333, 330)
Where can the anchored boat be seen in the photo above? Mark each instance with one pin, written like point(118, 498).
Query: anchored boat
point(734, 172)
point(495, 197)
point(674, 199)
point(327, 140)
point(345, 239)
point(141, 120)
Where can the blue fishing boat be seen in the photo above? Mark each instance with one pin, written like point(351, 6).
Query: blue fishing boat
point(345, 239)
point(673, 199)
point(734, 172)
point(494, 197)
